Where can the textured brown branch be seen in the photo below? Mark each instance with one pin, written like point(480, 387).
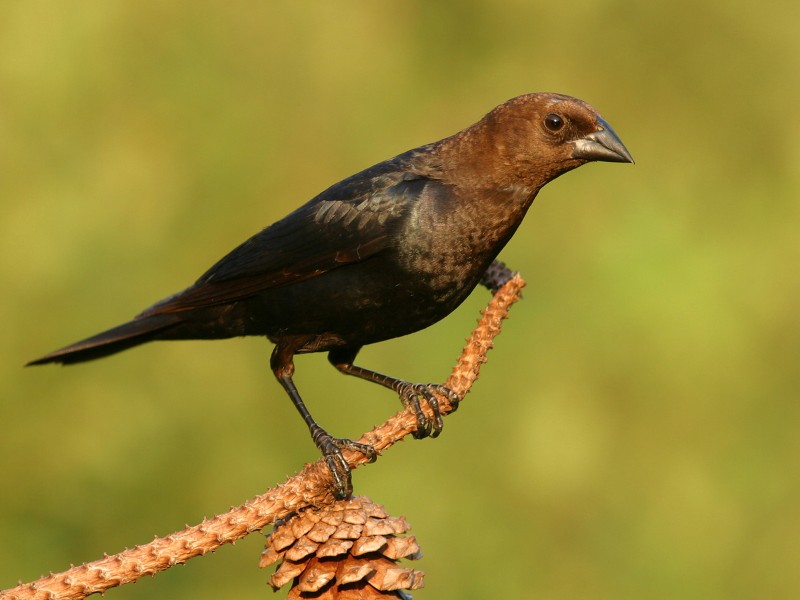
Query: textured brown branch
point(309, 487)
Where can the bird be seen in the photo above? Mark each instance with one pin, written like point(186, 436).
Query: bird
point(383, 253)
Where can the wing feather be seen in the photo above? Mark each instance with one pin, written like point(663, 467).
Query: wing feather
point(349, 222)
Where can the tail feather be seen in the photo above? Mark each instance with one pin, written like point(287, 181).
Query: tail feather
point(114, 340)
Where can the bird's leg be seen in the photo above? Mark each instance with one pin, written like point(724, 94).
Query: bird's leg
point(496, 275)
point(282, 363)
point(410, 393)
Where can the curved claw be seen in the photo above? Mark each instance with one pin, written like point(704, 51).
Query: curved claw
point(410, 396)
point(340, 471)
point(331, 449)
point(450, 394)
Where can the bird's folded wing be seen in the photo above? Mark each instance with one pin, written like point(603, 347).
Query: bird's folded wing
point(348, 223)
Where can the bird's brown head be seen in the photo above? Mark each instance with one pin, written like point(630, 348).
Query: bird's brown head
point(532, 139)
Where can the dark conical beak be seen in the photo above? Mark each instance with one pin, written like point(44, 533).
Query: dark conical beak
point(602, 144)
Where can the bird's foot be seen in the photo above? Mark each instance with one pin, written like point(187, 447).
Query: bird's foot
point(412, 393)
point(496, 276)
point(331, 449)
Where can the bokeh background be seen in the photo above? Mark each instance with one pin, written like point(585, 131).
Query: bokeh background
point(635, 432)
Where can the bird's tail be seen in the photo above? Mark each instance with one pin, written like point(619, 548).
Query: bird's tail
point(117, 339)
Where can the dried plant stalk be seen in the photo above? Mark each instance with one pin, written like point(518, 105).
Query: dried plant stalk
point(310, 487)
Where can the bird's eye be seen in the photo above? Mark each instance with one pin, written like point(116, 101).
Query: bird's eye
point(553, 122)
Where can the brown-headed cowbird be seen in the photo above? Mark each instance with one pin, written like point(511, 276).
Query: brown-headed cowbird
point(383, 253)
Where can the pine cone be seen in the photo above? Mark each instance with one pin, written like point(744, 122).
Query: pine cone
point(347, 551)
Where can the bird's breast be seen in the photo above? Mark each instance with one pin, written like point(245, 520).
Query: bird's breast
point(448, 242)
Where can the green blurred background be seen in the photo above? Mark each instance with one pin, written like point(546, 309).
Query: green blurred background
point(635, 432)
